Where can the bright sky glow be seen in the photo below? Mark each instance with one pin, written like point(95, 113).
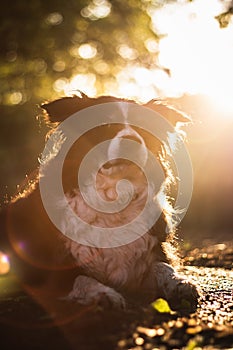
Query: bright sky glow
point(197, 52)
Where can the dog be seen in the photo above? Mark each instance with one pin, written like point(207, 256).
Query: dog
point(137, 272)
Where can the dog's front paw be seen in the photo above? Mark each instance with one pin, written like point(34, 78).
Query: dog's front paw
point(178, 291)
point(87, 291)
point(184, 296)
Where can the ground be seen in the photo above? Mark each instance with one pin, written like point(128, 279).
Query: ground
point(26, 325)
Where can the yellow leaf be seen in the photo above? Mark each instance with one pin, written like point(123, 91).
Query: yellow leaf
point(162, 306)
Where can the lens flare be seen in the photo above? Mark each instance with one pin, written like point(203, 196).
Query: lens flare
point(4, 264)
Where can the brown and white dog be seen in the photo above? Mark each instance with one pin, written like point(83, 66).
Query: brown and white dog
point(44, 258)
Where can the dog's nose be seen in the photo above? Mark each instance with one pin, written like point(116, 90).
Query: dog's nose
point(116, 146)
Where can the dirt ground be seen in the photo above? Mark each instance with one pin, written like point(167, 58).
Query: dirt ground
point(26, 325)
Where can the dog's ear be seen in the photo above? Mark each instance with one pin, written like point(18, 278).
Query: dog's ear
point(59, 110)
point(167, 111)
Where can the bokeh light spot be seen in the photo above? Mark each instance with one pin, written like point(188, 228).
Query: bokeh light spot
point(127, 52)
point(87, 51)
point(14, 98)
point(101, 67)
point(152, 45)
point(60, 84)
point(59, 66)
point(96, 9)
point(54, 18)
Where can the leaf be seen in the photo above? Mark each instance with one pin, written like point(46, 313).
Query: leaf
point(192, 344)
point(161, 306)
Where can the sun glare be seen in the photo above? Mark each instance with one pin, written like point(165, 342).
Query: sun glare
point(197, 52)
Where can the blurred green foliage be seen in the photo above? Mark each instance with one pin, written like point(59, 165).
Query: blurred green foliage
point(40, 42)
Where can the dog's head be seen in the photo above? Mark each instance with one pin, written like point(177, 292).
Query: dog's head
point(112, 171)
point(59, 110)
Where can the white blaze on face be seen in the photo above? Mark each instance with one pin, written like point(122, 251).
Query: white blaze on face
point(116, 145)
